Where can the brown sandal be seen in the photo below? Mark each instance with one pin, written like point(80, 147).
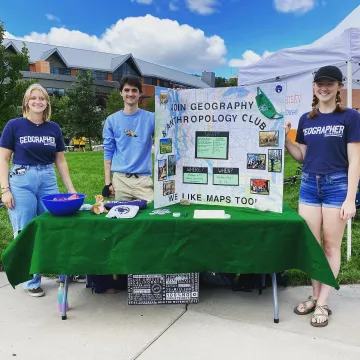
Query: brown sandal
point(308, 310)
point(323, 314)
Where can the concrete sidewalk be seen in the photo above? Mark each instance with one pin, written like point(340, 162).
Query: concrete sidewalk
point(224, 325)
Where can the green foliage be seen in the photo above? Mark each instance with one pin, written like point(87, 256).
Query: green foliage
point(84, 117)
point(149, 104)
point(114, 103)
point(12, 88)
point(59, 113)
point(222, 82)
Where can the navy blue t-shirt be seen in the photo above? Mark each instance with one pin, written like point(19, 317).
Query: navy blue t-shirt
point(32, 144)
point(326, 138)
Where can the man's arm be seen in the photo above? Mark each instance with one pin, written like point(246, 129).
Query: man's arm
point(107, 171)
point(109, 150)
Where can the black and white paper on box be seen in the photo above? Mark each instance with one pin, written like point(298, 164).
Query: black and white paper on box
point(163, 289)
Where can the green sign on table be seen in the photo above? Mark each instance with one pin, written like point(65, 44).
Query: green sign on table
point(212, 145)
point(226, 176)
point(195, 175)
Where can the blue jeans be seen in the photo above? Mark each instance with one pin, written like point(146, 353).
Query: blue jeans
point(27, 189)
point(324, 190)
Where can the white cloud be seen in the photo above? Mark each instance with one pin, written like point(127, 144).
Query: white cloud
point(248, 57)
point(146, 2)
point(173, 6)
point(52, 17)
point(149, 38)
point(295, 6)
point(7, 35)
point(202, 7)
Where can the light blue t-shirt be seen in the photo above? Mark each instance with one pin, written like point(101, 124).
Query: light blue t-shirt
point(127, 142)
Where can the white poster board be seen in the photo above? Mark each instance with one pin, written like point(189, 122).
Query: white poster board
point(222, 146)
point(299, 97)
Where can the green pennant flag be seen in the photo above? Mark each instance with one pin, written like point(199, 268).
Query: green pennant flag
point(265, 106)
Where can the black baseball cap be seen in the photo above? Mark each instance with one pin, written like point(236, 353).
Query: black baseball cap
point(329, 72)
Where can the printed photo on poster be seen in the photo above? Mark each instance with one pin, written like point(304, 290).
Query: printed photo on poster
point(260, 186)
point(165, 146)
point(168, 187)
point(274, 160)
point(268, 138)
point(164, 97)
point(256, 161)
point(162, 170)
point(171, 165)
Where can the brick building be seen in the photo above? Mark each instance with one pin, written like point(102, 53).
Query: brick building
point(55, 68)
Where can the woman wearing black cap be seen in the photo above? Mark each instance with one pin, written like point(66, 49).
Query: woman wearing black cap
point(328, 145)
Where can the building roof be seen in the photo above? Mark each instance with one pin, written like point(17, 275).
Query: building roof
point(101, 61)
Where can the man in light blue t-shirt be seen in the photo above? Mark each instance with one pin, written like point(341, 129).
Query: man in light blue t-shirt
point(127, 139)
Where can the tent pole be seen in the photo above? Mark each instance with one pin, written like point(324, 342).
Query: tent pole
point(349, 105)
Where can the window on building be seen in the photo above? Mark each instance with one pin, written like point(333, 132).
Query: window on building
point(150, 81)
point(59, 71)
point(165, 83)
point(100, 75)
point(125, 69)
point(55, 91)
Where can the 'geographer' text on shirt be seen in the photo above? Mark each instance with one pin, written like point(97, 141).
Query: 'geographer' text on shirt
point(45, 140)
point(335, 130)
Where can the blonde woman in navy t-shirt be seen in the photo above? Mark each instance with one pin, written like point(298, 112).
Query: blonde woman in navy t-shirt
point(328, 146)
point(35, 143)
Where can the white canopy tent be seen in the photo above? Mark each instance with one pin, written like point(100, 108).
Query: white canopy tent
point(340, 47)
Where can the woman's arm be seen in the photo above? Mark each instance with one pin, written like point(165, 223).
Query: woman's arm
point(297, 151)
point(5, 155)
point(61, 165)
point(6, 197)
point(348, 209)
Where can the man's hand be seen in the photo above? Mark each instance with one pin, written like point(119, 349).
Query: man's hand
point(108, 191)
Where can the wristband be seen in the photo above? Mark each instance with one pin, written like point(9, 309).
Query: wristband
point(5, 187)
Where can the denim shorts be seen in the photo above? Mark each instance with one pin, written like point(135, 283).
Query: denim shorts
point(324, 190)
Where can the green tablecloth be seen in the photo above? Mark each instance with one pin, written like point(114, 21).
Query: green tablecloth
point(250, 242)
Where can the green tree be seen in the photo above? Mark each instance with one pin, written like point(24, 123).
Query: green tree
point(85, 118)
point(60, 113)
point(233, 81)
point(12, 88)
point(149, 105)
point(114, 103)
point(220, 82)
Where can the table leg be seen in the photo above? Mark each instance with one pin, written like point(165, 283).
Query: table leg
point(262, 283)
point(66, 288)
point(275, 295)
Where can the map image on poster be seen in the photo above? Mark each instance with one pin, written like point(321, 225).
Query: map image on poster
point(163, 289)
point(226, 146)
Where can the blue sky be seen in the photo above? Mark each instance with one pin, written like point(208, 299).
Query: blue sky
point(190, 35)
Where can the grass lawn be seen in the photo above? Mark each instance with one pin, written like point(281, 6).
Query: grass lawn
point(88, 177)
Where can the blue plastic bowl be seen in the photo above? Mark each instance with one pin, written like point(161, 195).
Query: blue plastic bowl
point(63, 207)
